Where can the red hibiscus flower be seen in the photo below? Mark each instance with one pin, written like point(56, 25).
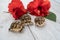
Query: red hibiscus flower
point(39, 7)
point(16, 8)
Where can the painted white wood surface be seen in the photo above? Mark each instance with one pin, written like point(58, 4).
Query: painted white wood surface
point(51, 31)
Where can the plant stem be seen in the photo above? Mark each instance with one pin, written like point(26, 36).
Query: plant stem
point(5, 11)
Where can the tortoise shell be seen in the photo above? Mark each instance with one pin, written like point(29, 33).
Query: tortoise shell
point(26, 19)
point(16, 26)
point(39, 21)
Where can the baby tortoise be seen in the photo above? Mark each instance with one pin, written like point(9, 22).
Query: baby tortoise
point(39, 21)
point(16, 26)
point(26, 19)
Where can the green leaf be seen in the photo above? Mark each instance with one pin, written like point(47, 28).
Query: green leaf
point(51, 16)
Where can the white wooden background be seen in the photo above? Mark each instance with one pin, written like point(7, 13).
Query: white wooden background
point(51, 31)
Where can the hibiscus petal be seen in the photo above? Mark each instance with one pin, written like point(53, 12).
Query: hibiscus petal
point(46, 4)
point(16, 8)
point(32, 5)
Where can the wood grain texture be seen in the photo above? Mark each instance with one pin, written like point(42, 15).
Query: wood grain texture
point(51, 31)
